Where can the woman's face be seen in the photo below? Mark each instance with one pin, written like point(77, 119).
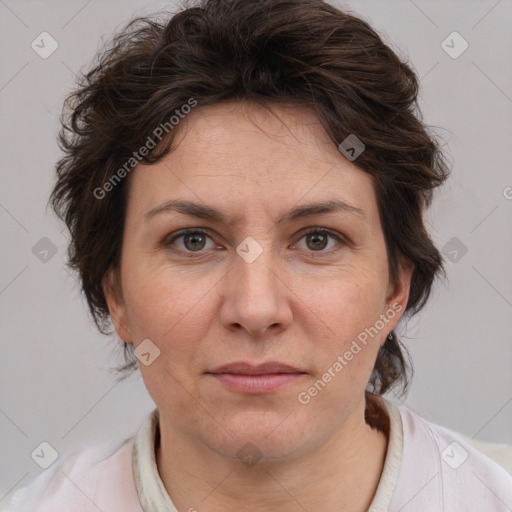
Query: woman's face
point(252, 285)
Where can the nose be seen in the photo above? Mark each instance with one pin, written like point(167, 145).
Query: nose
point(256, 297)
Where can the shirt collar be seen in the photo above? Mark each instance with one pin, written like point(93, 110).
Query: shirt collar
point(150, 488)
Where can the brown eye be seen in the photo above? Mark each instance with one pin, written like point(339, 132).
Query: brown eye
point(318, 240)
point(189, 241)
point(194, 241)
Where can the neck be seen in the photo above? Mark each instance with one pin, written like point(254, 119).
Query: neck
point(341, 474)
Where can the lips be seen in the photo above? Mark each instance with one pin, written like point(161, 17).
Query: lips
point(244, 368)
point(249, 379)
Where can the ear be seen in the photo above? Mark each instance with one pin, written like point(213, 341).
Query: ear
point(117, 309)
point(398, 295)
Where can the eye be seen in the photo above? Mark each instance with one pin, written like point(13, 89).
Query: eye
point(317, 239)
point(193, 240)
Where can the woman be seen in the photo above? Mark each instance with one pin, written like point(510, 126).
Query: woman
point(244, 185)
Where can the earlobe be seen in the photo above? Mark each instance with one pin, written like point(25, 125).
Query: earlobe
point(116, 306)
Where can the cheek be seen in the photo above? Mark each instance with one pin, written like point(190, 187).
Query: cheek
point(172, 313)
point(162, 303)
point(348, 314)
point(348, 301)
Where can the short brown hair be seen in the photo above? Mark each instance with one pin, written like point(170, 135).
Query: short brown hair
point(304, 52)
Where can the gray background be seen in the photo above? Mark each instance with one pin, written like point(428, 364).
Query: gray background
point(55, 385)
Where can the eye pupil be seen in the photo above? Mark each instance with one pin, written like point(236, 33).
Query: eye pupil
point(317, 238)
point(196, 239)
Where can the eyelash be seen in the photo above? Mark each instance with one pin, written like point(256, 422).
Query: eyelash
point(196, 254)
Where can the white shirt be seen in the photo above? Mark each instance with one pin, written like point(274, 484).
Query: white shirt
point(427, 468)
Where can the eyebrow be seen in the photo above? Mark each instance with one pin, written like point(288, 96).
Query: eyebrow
point(202, 211)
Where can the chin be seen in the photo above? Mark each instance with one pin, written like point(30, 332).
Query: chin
point(260, 437)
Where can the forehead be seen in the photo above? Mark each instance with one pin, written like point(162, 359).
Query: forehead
point(242, 154)
point(234, 130)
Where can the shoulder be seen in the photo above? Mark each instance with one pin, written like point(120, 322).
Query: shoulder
point(99, 477)
point(441, 470)
point(498, 452)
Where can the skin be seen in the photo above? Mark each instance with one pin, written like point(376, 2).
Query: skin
point(301, 302)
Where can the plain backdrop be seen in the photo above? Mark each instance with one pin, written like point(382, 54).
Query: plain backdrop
point(54, 367)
